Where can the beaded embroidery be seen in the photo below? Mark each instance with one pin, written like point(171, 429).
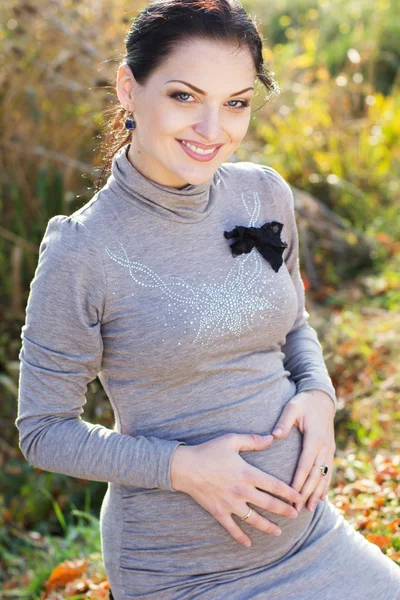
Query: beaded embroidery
point(221, 307)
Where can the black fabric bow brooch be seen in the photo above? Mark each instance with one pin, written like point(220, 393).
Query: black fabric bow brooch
point(266, 239)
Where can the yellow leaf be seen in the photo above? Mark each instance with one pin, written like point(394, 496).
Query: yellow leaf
point(309, 44)
point(302, 61)
point(64, 573)
point(378, 540)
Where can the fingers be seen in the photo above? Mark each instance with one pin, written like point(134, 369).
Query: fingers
point(322, 487)
point(286, 421)
point(245, 442)
point(261, 523)
point(311, 448)
point(316, 494)
point(233, 529)
point(272, 504)
point(255, 520)
point(328, 479)
point(315, 483)
point(271, 484)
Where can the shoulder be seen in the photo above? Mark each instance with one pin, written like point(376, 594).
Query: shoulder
point(69, 263)
point(243, 170)
point(261, 178)
point(79, 230)
point(96, 214)
point(251, 173)
point(64, 235)
point(68, 245)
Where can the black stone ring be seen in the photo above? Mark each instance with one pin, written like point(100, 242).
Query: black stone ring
point(324, 469)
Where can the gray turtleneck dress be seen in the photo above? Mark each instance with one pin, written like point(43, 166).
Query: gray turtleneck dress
point(140, 287)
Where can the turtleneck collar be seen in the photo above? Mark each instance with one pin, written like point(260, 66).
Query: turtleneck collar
point(190, 204)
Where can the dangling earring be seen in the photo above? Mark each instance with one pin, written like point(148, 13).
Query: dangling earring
point(129, 123)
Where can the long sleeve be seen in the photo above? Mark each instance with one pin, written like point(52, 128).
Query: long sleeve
point(61, 353)
point(302, 349)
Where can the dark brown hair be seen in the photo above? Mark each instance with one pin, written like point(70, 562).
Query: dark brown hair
point(155, 33)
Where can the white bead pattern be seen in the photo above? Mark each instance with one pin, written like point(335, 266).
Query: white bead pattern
point(248, 288)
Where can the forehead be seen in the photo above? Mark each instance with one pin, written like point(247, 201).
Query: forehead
point(205, 62)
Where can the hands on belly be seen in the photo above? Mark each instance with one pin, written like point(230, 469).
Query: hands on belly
point(312, 411)
point(222, 482)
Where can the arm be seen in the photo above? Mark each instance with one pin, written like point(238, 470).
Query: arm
point(61, 353)
point(302, 349)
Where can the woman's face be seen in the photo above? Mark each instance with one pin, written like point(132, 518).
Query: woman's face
point(206, 110)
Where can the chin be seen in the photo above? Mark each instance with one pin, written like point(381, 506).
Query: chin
point(199, 180)
point(199, 173)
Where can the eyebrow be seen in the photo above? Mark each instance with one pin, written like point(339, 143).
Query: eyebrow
point(199, 91)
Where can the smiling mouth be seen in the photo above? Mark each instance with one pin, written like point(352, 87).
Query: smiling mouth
point(198, 153)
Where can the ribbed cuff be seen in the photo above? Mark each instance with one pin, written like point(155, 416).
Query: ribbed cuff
point(167, 482)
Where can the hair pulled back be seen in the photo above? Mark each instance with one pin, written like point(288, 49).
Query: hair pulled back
point(162, 26)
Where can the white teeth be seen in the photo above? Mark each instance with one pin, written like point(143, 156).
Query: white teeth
point(198, 150)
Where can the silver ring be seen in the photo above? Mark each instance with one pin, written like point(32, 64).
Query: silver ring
point(246, 516)
point(324, 469)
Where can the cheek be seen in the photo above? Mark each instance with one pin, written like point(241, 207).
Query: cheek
point(236, 126)
point(170, 122)
point(159, 120)
point(241, 126)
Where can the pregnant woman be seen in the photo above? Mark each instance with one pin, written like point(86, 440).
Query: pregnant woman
point(178, 284)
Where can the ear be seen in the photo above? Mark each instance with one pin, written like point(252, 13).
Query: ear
point(126, 84)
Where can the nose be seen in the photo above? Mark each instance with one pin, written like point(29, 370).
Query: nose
point(209, 127)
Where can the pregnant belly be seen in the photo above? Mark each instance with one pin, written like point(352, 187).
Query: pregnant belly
point(169, 532)
point(168, 538)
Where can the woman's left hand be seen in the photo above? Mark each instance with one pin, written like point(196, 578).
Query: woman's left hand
point(312, 411)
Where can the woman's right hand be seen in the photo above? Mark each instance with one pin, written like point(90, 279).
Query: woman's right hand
point(222, 482)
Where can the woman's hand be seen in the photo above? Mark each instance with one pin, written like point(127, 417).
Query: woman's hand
point(312, 411)
point(222, 482)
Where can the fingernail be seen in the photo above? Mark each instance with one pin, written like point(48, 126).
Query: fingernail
point(248, 544)
point(278, 431)
point(312, 506)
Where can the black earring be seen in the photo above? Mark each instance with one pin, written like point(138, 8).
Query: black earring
point(130, 124)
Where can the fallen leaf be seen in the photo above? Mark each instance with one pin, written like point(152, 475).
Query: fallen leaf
point(64, 573)
point(379, 540)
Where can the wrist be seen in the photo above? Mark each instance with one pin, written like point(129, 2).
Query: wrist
point(318, 393)
point(180, 467)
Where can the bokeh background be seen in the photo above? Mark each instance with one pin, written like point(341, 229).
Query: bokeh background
point(332, 132)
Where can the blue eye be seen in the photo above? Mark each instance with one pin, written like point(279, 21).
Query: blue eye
point(243, 103)
point(178, 96)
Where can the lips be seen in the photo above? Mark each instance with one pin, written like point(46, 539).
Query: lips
point(200, 145)
point(199, 157)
